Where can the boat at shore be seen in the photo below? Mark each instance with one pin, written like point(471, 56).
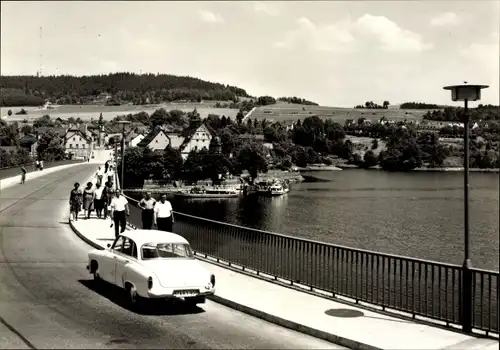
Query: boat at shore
point(197, 192)
point(278, 189)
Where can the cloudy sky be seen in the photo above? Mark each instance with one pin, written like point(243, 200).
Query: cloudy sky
point(335, 53)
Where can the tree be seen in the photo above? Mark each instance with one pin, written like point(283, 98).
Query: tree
point(251, 157)
point(159, 117)
point(172, 163)
point(50, 147)
point(193, 166)
point(374, 144)
point(386, 104)
point(369, 159)
point(43, 121)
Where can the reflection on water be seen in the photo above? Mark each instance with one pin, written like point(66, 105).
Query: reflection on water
point(414, 214)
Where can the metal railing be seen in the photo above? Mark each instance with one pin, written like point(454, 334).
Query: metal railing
point(396, 283)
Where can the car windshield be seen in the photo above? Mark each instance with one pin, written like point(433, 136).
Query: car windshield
point(166, 250)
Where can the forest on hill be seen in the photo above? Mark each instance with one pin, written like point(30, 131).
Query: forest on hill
point(116, 88)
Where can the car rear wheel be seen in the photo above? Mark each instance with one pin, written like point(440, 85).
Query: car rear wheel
point(133, 297)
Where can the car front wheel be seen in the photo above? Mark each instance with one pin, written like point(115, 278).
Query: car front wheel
point(133, 297)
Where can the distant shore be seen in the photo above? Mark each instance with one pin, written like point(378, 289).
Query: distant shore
point(444, 169)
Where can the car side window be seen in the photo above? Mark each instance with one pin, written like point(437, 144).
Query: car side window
point(134, 249)
point(118, 246)
point(127, 247)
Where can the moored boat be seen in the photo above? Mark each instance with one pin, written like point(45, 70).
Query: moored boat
point(196, 192)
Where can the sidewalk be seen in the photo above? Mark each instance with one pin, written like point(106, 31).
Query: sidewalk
point(355, 328)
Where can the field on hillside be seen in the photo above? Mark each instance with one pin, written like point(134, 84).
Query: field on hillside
point(85, 112)
point(291, 112)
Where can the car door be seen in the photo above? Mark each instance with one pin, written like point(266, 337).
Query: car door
point(112, 256)
point(107, 262)
point(123, 259)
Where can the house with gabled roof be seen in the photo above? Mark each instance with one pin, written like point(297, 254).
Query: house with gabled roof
point(196, 139)
point(78, 142)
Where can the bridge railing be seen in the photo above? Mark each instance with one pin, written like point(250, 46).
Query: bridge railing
point(396, 283)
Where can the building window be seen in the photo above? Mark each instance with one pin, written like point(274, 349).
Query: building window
point(83, 145)
point(80, 138)
point(76, 146)
point(70, 145)
point(196, 148)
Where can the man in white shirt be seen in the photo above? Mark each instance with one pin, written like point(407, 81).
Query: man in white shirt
point(111, 174)
point(99, 175)
point(119, 211)
point(163, 214)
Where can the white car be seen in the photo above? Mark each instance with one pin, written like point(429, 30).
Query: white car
point(152, 264)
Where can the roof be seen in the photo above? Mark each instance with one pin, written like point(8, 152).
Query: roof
point(78, 131)
point(259, 137)
point(189, 132)
point(149, 137)
point(27, 140)
point(141, 237)
point(44, 129)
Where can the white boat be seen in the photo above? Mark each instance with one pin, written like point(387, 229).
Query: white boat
point(209, 193)
point(278, 190)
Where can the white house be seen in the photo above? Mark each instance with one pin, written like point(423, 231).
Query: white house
point(135, 141)
point(78, 143)
point(155, 140)
point(200, 138)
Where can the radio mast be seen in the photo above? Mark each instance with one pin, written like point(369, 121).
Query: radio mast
point(39, 73)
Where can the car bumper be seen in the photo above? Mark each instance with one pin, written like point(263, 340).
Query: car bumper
point(169, 294)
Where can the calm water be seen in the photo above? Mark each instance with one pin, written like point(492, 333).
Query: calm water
point(414, 214)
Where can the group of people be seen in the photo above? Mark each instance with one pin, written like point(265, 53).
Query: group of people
point(107, 201)
point(38, 166)
point(158, 213)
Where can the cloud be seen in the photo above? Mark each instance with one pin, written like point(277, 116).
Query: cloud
point(445, 19)
point(389, 35)
point(345, 35)
point(210, 17)
point(332, 37)
point(267, 8)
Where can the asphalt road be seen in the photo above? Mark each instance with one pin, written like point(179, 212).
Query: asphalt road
point(47, 298)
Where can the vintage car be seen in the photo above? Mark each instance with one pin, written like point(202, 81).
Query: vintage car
point(152, 264)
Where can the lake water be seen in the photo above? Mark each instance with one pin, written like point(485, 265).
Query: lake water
point(417, 214)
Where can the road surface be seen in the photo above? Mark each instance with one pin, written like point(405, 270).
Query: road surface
point(16, 171)
point(47, 299)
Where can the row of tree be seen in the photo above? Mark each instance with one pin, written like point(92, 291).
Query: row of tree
point(372, 105)
point(456, 114)
point(418, 105)
point(127, 87)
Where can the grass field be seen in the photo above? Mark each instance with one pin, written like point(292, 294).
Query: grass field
point(85, 112)
point(291, 112)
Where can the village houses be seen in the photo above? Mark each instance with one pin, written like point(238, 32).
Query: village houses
point(194, 140)
point(78, 142)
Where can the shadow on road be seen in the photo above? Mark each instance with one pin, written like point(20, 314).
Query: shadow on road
point(150, 307)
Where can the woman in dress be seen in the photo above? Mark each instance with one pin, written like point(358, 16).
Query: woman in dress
point(88, 199)
point(75, 201)
point(99, 199)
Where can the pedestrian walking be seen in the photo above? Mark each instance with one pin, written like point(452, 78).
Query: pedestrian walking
point(99, 199)
point(108, 196)
point(37, 164)
point(23, 174)
point(75, 201)
point(106, 166)
point(99, 175)
point(119, 212)
point(88, 199)
point(110, 173)
point(147, 204)
point(163, 214)
point(41, 165)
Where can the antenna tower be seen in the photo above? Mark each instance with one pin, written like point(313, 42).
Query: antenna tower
point(39, 74)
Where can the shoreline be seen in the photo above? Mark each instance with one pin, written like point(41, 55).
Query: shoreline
point(439, 170)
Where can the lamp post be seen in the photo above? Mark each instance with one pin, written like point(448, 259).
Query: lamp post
point(123, 123)
point(466, 93)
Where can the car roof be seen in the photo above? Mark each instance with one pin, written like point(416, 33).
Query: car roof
point(141, 237)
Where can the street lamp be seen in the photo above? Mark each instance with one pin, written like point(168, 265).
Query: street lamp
point(123, 123)
point(466, 93)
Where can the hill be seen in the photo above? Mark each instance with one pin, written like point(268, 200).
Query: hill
point(116, 88)
point(17, 97)
point(291, 112)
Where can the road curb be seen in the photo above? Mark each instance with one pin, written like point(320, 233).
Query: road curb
point(82, 237)
point(332, 338)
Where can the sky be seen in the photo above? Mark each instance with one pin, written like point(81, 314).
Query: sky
point(334, 53)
